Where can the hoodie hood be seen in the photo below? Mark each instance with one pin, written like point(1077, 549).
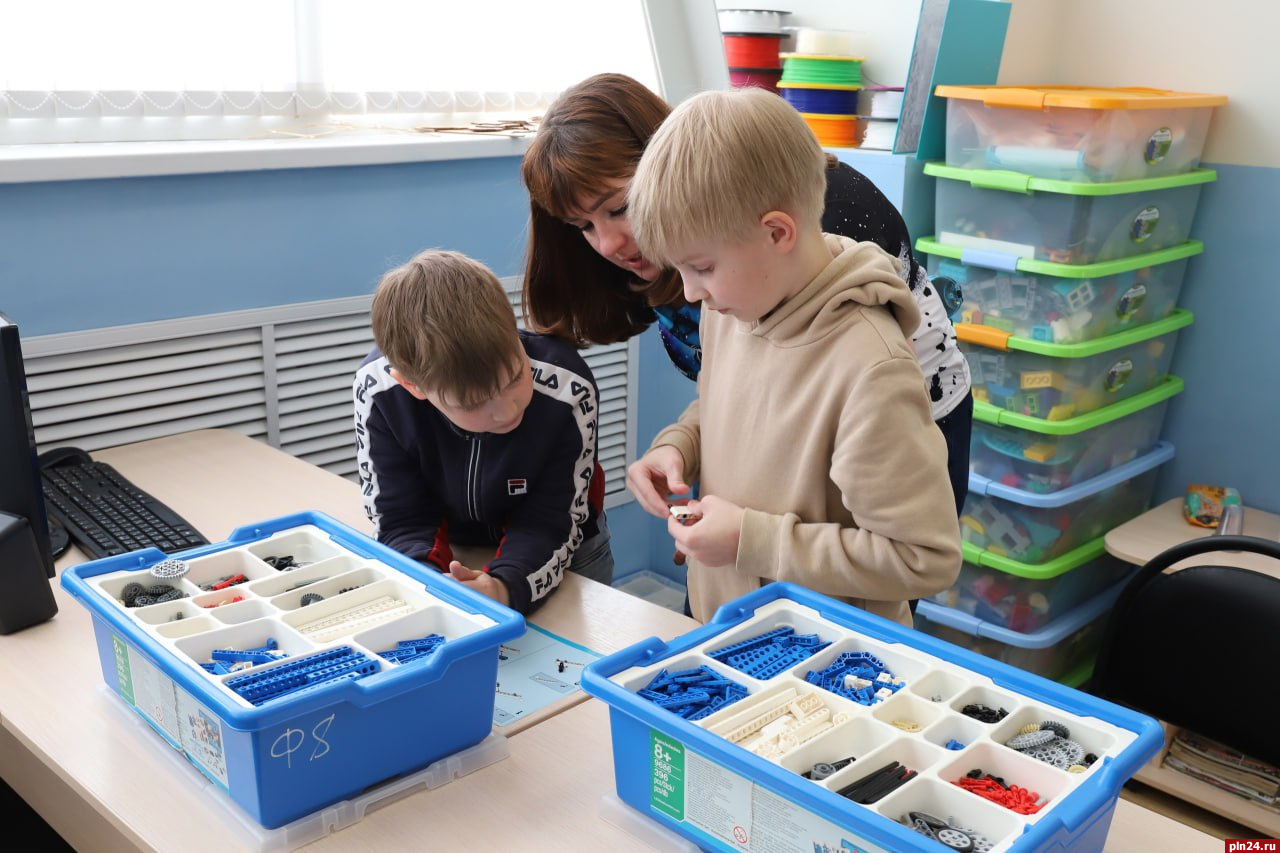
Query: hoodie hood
point(860, 274)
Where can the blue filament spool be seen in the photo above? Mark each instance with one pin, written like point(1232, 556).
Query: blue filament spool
point(822, 101)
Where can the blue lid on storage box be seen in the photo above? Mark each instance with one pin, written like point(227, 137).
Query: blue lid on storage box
point(769, 763)
point(1060, 648)
point(295, 683)
point(1050, 635)
point(1024, 597)
point(1034, 527)
point(1044, 456)
point(1160, 454)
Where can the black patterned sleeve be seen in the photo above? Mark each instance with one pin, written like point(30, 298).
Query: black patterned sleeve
point(856, 208)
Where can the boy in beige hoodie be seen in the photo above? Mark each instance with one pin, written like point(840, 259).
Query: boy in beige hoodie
point(811, 436)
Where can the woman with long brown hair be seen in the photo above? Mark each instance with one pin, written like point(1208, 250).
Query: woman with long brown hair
point(587, 281)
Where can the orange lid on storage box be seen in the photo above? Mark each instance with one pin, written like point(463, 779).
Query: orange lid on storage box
point(1079, 97)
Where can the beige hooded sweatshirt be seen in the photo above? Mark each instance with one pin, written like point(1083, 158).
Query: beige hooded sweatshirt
point(815, 420)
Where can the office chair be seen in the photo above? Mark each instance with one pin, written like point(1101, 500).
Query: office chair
point(1200, 648)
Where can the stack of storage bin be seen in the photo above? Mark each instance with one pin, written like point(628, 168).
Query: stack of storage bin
point(1071, 267)
point(752, 39)
point(821, 80)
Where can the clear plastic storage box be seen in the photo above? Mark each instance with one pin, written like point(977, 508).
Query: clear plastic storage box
point(1077, 133)
point(1062, 303)
point(1024, 597)
point(1046, 456)
point(1010, 213)
point(1062, 650)
point(1060, 381)
point(299, 662)
point(1031, 527)
point(764, 770)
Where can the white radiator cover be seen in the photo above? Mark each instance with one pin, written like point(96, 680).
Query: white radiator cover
point(281, 375)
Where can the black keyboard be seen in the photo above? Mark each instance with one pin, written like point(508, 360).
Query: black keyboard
point(108, 515)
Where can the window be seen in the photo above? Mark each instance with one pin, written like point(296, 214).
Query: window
point(84, 70)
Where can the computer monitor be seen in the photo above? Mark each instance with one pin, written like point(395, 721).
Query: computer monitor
point(26, 559)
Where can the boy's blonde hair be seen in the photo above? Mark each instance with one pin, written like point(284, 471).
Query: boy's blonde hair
point(720, 161)
point(444, 323)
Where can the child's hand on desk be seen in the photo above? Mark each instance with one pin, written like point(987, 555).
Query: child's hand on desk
point(482, 582)
point(713, 539)
point(652, 477)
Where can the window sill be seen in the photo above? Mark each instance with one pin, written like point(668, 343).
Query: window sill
point(92, 160)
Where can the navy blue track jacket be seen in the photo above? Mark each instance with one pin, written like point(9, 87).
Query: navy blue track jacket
point(535, 493)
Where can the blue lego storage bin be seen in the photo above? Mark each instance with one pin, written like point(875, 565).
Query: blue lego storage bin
point(1055, 650)
point(1033, 527)
point(1045, 456)
point(1062, 303)
point(296, 683)
point(766, 765)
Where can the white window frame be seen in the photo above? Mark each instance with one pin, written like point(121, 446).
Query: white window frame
point(683, 34)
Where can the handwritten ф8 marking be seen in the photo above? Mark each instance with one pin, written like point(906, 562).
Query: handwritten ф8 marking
point(684, 515)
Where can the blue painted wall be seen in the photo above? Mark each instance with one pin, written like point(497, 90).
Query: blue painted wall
point(87, 254)
point(1224, 425)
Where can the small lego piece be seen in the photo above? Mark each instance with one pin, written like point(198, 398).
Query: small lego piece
point(1057, 728)
point(169, 569)
point(983, 713)
point(1027, 740)
point(684, 515)
point(1041, 379)
point(1080, 296)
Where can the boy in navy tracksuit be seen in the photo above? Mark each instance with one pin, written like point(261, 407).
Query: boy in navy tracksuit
point(471, 433)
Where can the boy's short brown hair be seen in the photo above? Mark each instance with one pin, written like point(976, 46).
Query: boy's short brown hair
point(720, 161)
point(445, 324)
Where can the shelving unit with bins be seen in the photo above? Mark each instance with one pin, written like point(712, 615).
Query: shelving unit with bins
point(1065, 216)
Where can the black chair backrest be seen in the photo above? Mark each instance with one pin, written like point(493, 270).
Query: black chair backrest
point(1200, 648)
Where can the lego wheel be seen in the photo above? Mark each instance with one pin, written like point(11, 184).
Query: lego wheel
point(955, 839)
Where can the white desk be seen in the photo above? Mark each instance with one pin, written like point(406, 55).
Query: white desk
point(106, 783)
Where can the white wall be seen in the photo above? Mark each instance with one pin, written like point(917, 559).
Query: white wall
point(1221, 47)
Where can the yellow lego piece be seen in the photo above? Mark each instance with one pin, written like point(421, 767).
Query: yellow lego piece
point(981, 395)
point(1041, 451)
point(997, 550)
point(1061, 412)
point(1043, 379)
point(973, 524)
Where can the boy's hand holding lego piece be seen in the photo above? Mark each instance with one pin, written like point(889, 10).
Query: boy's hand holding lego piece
point(711, 538)
point(654, 476)
point(482, 582)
